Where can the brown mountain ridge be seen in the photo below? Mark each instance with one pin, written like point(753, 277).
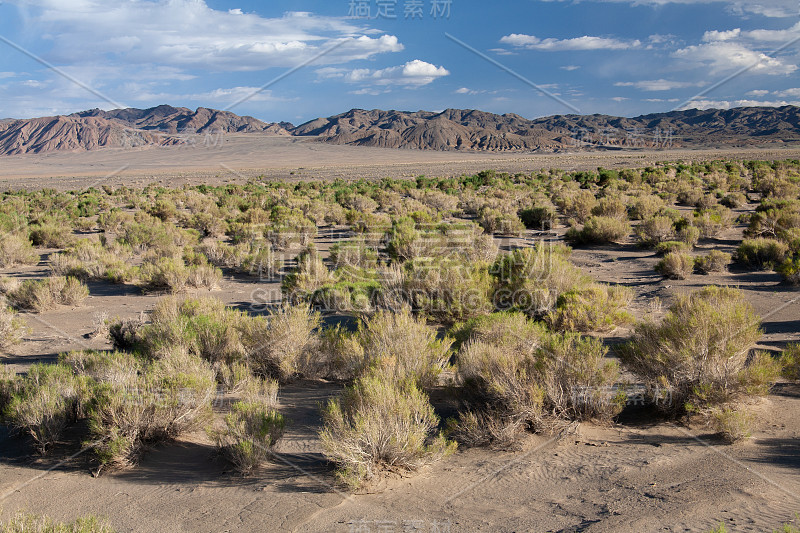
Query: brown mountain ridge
point(451, 129)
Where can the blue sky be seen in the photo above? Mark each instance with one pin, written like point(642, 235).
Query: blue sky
point(620, 57)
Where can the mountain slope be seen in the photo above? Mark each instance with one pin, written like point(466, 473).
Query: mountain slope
point(455, 129)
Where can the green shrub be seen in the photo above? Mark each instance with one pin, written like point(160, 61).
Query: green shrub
point(16, 250)
point(667, 247)
point(45, 294)
point(87, 259)
point(51, 234)
point(762, 253)
point(539, 217)
point(646, 206)
point(165, 274)
point(494, 221)
point(448, 290)
point(655, 229)
point(12, 328)
point(399, 346)
point(30, 523)
point(697, 356)
point(310, 275)
point(790, 269)
point(597, 308)
point(283, 347)
point(381, 426)
point(166, 398)
point(713, 261)
point(45, 402)
point(532, 279)
point(675, 265)
point(712, 222)
point(252, 428)
point(353, 254)
point(599, 230)
point(733, 423)
point(790, 362)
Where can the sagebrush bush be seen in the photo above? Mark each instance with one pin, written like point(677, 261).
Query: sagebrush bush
point(675, 265)
point(655, 229)
point(23, 522)
point(762, 253)
point(252, 427)
point(16, 250)
point(599, 308)
point(790, 269)
point(87, 259)
point(45, 294)
point(532, 279)
point(599, 230)
point(539, 217)
point(733, 423)
point(12, 328)
point(398, 346)
point(165, 398)
point(51, 234)
point(790, 361)
point(284, 346)
point(378, 426)
point(698, 355)
point(713, 261)
point(45, 402)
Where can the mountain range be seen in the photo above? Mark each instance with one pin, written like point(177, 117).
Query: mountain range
point(451, 129)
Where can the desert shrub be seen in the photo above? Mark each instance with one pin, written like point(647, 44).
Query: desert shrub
point(539, 217)
point(790, 269)
point(611, 208)
point(23, 522)
point(16, 250)
point(353, 254)
point(734, 199)
point(577, 378)
point(310, 275)
point(532, 279)
point(45, 402)
point(345, 296)
point(712, 222)
point(713, 261)
point(167, 397)
point(165, 274)
point(252, 428)
point(762, 253)
point(733, 423)
point(577, 205)
point(499, 222)
point(55, 234)
point(204, 276)
point(697, 356)
point(597, 308)
point(283, 346)
point(645, 207)
point(87, 259)
point(12, 328)
point(378, 426)
point(790, 362)
point(655, 229)
point(449, 290)
point(688, 234)
point(45, 294)
point(399, 346)
point(599, 230)
point(675, 265)
point(663, 248)
point(404, 241)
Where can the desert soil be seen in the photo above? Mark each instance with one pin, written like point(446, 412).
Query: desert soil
point(636, 475)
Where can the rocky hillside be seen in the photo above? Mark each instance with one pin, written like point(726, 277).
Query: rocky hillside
point(455, 129)
point(124, 128)
point(452, 129)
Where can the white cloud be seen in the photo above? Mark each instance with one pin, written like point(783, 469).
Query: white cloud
point(715, 35)
point(730, 104)
point(415, 73)
point(724, 56)
point(657, 100)
point(766, 8)
point(502, 52)
point(659, 85)
point(465, 90)
point(758, 92)
point(190, 34)
point(619, 98)
point(774, 36)
point(788, 93)
point(569, 68)
point(586, 42)
point(4, 75)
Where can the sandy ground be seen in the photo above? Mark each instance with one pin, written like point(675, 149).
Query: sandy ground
point(238, 158)
point(634, 476)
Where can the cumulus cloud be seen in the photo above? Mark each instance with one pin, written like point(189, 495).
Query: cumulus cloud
point(415, 73)
point(190, 34)
point(715, 35)
point(659, 85)
point(586, 42)
point(730, 104)
point(723, 56)
point(765, 8)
